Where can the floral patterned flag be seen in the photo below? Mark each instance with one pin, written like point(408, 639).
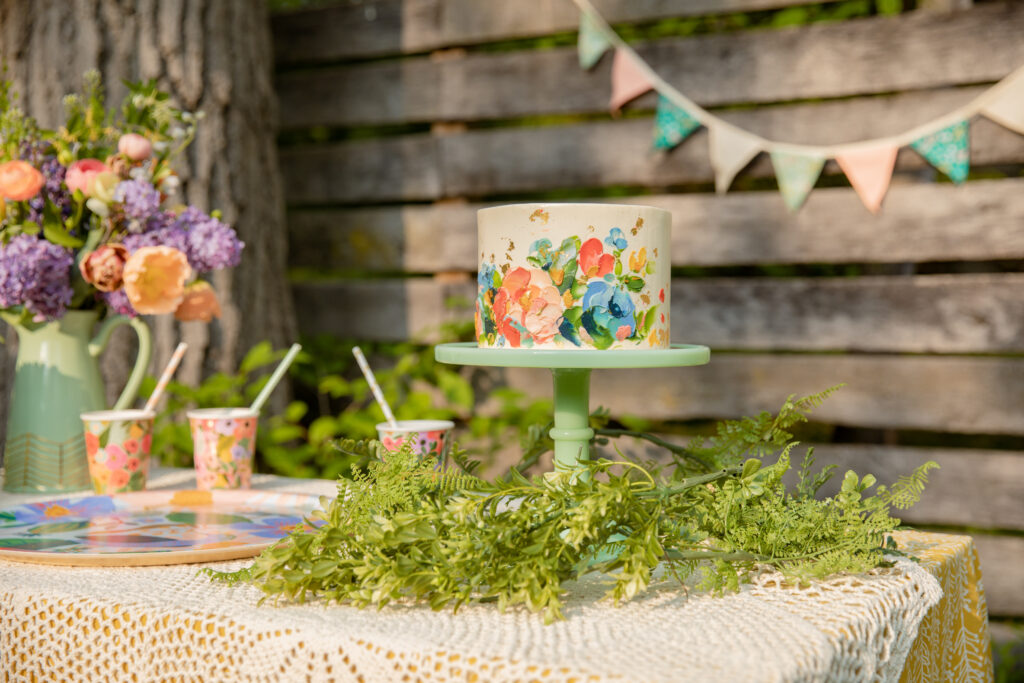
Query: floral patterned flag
point(1007, 108)
point(796, 174)
point(672, 124)
point(947, 150)
point(592, 43)
point(869, 171)
point(629, 81)
point(731, 150)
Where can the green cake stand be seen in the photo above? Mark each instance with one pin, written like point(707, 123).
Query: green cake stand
point(571, 372)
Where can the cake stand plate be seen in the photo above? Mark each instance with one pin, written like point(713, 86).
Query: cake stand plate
point(570, 370)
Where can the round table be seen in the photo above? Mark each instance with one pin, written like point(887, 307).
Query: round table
point(172, 623)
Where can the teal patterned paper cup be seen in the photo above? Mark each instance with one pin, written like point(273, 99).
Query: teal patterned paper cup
point(117, 444)
point(433, 437)
point(224, 440)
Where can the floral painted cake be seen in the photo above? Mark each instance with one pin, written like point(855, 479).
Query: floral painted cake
point(573, 276)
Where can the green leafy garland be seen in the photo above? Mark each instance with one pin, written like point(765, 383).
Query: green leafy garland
point(401, 530)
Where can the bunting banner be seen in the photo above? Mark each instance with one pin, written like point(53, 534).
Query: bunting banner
point(796, 174)
point(947, 150)
point(731, 150)
point(592, 43)
point(869, 171)
point(944, 142)
point(672, 124)
point(1006, 107)
point(629, 81)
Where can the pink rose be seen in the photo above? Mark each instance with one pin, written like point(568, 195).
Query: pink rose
point(134, 146)
point(104, 268)
point(81, 174)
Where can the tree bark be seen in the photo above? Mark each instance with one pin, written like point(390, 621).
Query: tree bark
point(213, 56)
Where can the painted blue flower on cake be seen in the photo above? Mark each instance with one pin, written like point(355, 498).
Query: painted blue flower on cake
point(608, 313)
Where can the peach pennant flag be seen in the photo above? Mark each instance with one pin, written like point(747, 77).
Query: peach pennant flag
point(869, 171)
point(731, 149)
point(1007, 108)
point(629, 81)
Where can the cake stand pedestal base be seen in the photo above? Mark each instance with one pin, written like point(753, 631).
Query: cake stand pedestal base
point(570, 370)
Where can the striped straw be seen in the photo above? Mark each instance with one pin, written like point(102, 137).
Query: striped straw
point(172, 365)
point(374, 387)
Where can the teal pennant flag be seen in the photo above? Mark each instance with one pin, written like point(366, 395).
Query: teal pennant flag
point(672, 124)
point(796, 174)
point(592, 43)
point(947, 150)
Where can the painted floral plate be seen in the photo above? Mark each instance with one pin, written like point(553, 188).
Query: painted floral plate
point(151, 527)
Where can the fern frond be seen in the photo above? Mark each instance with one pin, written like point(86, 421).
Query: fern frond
point(906, 491)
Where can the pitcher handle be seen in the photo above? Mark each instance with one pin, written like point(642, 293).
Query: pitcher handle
point(99, 342)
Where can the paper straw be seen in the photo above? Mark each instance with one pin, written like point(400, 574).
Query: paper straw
point(275, 378)
point(374, 387)
point(172, 365)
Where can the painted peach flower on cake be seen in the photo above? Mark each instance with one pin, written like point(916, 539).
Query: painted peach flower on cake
point(527, 306)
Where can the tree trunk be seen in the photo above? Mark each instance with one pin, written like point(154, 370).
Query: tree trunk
point(214, 56)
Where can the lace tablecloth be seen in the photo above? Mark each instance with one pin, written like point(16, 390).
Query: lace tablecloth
point(169, 623)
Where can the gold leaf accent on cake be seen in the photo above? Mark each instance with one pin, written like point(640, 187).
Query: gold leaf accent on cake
point(504, 268)
point(540, 214)
point(567, 299)
point(646, 299)
point(511, 245)
point(639, 224)
point(590, 228)
point(655, 252)
point(492, 258)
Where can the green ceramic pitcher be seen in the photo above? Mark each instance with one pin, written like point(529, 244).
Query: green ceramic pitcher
point(57, 377)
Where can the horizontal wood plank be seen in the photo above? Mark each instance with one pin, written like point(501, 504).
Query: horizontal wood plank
point(521, 160)
point(920, 223)
point(922, 314)
point(949, 394)
point(828, 60)
point(1002, 572)
point(376, 28)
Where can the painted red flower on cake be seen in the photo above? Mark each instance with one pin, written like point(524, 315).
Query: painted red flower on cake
point(594, 262)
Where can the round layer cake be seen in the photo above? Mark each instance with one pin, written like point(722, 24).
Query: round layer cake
point(573, 276)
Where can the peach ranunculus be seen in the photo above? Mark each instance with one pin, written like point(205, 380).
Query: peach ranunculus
point(200, 303)
point(20, 180)
point(593, 262)
point(154, 279)
point(81, 174)
point(104, 268)
point(134, 146)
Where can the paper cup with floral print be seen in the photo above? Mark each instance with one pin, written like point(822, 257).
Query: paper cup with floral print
point(223, 441)
point(117, 444)
point(432, 436)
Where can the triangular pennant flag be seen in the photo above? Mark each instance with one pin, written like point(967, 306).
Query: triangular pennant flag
point(947, 150)
point(1007, 109)
point(672, 124)
point(592, 43)
point(796, 174)
point(869, 171)
point(731, 149)
point(628, 80)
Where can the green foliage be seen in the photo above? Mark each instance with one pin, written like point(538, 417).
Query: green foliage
point(401, 530)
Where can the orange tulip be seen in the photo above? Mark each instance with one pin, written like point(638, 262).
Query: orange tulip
point(154, 279)
point(200, 303)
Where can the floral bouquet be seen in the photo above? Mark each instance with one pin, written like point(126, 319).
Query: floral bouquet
point(88, 217)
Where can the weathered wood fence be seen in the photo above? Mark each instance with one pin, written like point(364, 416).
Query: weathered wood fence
point(429, 109)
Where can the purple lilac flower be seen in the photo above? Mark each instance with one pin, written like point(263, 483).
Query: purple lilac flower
point(53, 191)
point(35, 274)
point(212, 244)
point(118, 302)
point(140, 199)
point(169, 236)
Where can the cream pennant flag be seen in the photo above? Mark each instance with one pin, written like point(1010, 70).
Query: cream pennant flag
point(592, 43)
point(796, 174)
point(629, 81)
point(731, 149)
point(1007, 108)
point(672, 124)
point(869, 171)
point(947, 150)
